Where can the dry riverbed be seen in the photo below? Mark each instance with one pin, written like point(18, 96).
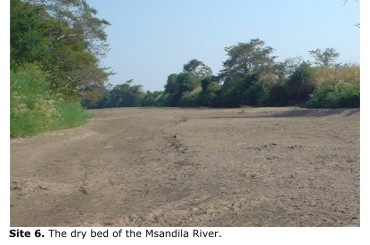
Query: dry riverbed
point(192, 167)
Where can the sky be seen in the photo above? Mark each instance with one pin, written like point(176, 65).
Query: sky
point(151, 39)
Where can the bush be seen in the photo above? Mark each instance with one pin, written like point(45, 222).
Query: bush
point(71, 114)
point(210, 90)
point(252, 94)
point(335, 95)
point(277, 96)
point(34, 108)
point(190, 99)
point(300, 84)
point(31, 106)
point(345, 74)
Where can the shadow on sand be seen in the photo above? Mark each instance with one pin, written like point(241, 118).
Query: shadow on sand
point(296, 113)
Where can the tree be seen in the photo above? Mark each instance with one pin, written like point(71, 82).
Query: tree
point(276, 96)
point(284, 69)
point(183, 89)
point(251, 57)
point(179, 84)
point(210, 90)
point(64, 37)
point(126, 95)
point(75, 19)
point(28, 36)
point(325, 58)
point(187, 82)
point(198, 68)
point(300, 84)
point(171, 85)
point(152, 99)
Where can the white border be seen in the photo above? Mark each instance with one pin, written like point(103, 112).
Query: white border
point(239, 235)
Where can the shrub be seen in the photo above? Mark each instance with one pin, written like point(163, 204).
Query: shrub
point(300, 84)
point(71, 114)
point(31, 107)
point(252, 95)
point(345, 74)
point(34, 108)
point(190, 99)
point(277, 96)
point(335, 95)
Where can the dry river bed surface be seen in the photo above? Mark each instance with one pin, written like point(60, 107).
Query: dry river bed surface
point(192, 167)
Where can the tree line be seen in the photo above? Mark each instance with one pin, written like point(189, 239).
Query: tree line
point(55, 52)
point(251, 76)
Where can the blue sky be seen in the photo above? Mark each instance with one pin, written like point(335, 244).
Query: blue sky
point(150, 39)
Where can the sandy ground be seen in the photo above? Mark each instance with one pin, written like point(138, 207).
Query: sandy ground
point(192, 167)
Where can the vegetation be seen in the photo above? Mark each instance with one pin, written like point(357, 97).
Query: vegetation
point(336, 87)
point(56, 46)
point(55, 49)
point(251, 76)
point(34, 108)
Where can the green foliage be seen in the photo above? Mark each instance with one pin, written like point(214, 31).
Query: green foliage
point(335, 95)
point(251, 57)
point(231, 92)
point(55, 50)
point(190, 98)
point(251, 77)
point(34, 108)
point(123, 95)
point(153, 99)
point(179, 84)
point(248, 67)
point(29, 41)
point(55, 46)
point(300, 84)
point(210, 89)
point(31, 107)
point(64, 38)
point(235, 90)
point(126, 95)
point(198, 68)
point(277, 96)
point(187, 82)
point(336, 87)
point(253, 94)
point(71, 114)
point(284, 69)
